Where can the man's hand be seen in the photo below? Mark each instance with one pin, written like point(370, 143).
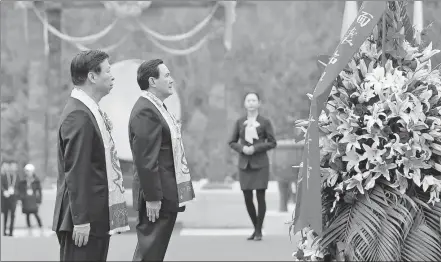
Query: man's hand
point(81, 234)
point(153, 208)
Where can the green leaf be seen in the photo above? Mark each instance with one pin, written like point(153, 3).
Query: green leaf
point(423, 241)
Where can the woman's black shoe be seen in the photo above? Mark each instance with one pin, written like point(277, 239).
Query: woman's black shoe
point(258, 237)
point(252, 236)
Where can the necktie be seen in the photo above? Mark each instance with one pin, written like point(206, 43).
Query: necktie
point(10, 180)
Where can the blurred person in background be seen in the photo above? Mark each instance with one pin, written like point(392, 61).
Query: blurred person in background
point(252, 137)
point(9, 183)
point(30, 195)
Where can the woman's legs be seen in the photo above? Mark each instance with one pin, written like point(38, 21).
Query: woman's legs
point(38, 219)
point(5, 220)
point(261, 205)
point(248, 196)
point(28, 220)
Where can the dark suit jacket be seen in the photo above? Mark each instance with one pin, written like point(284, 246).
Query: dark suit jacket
point(5, 181)
point(265, 142)
point(30, 202)
point(12, 200)
point(82, 190)
point(154, 169)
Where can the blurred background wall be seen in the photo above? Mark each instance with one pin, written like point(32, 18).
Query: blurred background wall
point(275, 45)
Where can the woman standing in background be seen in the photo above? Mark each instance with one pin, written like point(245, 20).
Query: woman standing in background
point(252, 137)
point(30, 195)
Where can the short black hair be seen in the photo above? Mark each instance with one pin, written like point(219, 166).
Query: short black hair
point(251, 92)
point(85, 62)
point(146, 70)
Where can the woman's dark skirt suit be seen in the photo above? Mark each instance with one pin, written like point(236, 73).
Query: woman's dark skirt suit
point(253, 169)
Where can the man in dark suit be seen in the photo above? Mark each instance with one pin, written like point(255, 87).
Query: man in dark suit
point(81, 216)
point(9, 191)
point(155, 194)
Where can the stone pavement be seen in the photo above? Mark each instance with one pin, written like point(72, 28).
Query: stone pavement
point(213, 210)
point(213, 227)
point(181, 248)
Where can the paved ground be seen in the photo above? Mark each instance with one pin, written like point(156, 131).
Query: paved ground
point(214, 228)
point(183, 248)
point(211, 209)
